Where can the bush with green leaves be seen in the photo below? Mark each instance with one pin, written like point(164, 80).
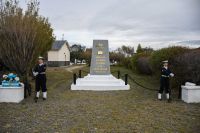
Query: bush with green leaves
point(126, 62)
point(143, 65)
point(184, 63)
point(138, 63)
point(186, 67)
point(165, 54)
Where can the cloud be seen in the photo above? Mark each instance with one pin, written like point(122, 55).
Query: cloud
point(153, 23)
point(149, 19)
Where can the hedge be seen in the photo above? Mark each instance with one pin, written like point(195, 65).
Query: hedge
point(184, 62)
point(165, 54)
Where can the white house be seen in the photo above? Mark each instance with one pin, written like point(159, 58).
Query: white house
point(59, 55)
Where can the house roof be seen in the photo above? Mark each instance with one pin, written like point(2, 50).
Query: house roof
point(57, 45)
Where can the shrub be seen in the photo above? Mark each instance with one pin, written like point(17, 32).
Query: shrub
point(140, 63)
point(126, 62)
point(143, 65)
point(186, 67)
point(183, 61)
point(165, 54)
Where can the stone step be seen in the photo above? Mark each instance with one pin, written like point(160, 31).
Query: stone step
point(100, 88)
point(99, 77)
point(99, 83)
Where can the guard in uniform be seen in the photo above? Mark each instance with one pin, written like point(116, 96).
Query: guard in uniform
point(40, 82)
point(164, 80)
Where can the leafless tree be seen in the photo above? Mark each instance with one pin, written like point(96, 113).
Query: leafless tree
point(24, 35)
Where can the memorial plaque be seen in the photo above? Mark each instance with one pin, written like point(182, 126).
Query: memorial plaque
point(100, 63)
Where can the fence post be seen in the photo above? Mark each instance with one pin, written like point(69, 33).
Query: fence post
point(79, 74)
point(74, 77)
point(180, 93)
point(126, 79)
point(118, 74)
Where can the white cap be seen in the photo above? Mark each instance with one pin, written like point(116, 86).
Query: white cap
point(165, 61)
point(40, 57)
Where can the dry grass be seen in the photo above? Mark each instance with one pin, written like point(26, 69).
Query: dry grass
point(68, 111)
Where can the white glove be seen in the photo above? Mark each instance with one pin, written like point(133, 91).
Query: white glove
point(35, 73)
point(171, 74)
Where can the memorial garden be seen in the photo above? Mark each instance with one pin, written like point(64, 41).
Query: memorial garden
point(111, 91)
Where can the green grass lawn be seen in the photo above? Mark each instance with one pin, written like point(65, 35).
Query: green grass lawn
point(66, 111)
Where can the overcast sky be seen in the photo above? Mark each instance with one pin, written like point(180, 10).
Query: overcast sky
point(155, 23)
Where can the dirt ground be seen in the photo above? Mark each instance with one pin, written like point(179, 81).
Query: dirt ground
point(66, 111)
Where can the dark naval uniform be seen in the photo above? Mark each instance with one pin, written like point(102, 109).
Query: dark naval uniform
point(40, 77)
point(40, 82)
point(164, 80)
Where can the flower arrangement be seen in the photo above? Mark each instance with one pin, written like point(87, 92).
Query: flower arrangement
point(10, 80)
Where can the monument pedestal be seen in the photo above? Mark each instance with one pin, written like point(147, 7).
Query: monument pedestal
point(99, 83)
point(191, 94)
point(11, 94)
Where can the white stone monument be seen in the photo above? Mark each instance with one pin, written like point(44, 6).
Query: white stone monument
point(11, 94)
point(100, 78)
point(190, 93)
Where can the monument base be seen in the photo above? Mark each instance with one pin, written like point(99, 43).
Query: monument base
point(11, 94)
point(99, 83)
point(191, 94)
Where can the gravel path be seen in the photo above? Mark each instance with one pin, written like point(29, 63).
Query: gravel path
point(68, 111)
point(72, 68)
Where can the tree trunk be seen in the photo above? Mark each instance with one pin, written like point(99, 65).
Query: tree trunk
point(27, 86)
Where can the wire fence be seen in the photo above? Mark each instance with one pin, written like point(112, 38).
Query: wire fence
point(133, 80)
point(124, 76)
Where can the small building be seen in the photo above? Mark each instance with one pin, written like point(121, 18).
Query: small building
point(59, 55)
point(77, 48)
